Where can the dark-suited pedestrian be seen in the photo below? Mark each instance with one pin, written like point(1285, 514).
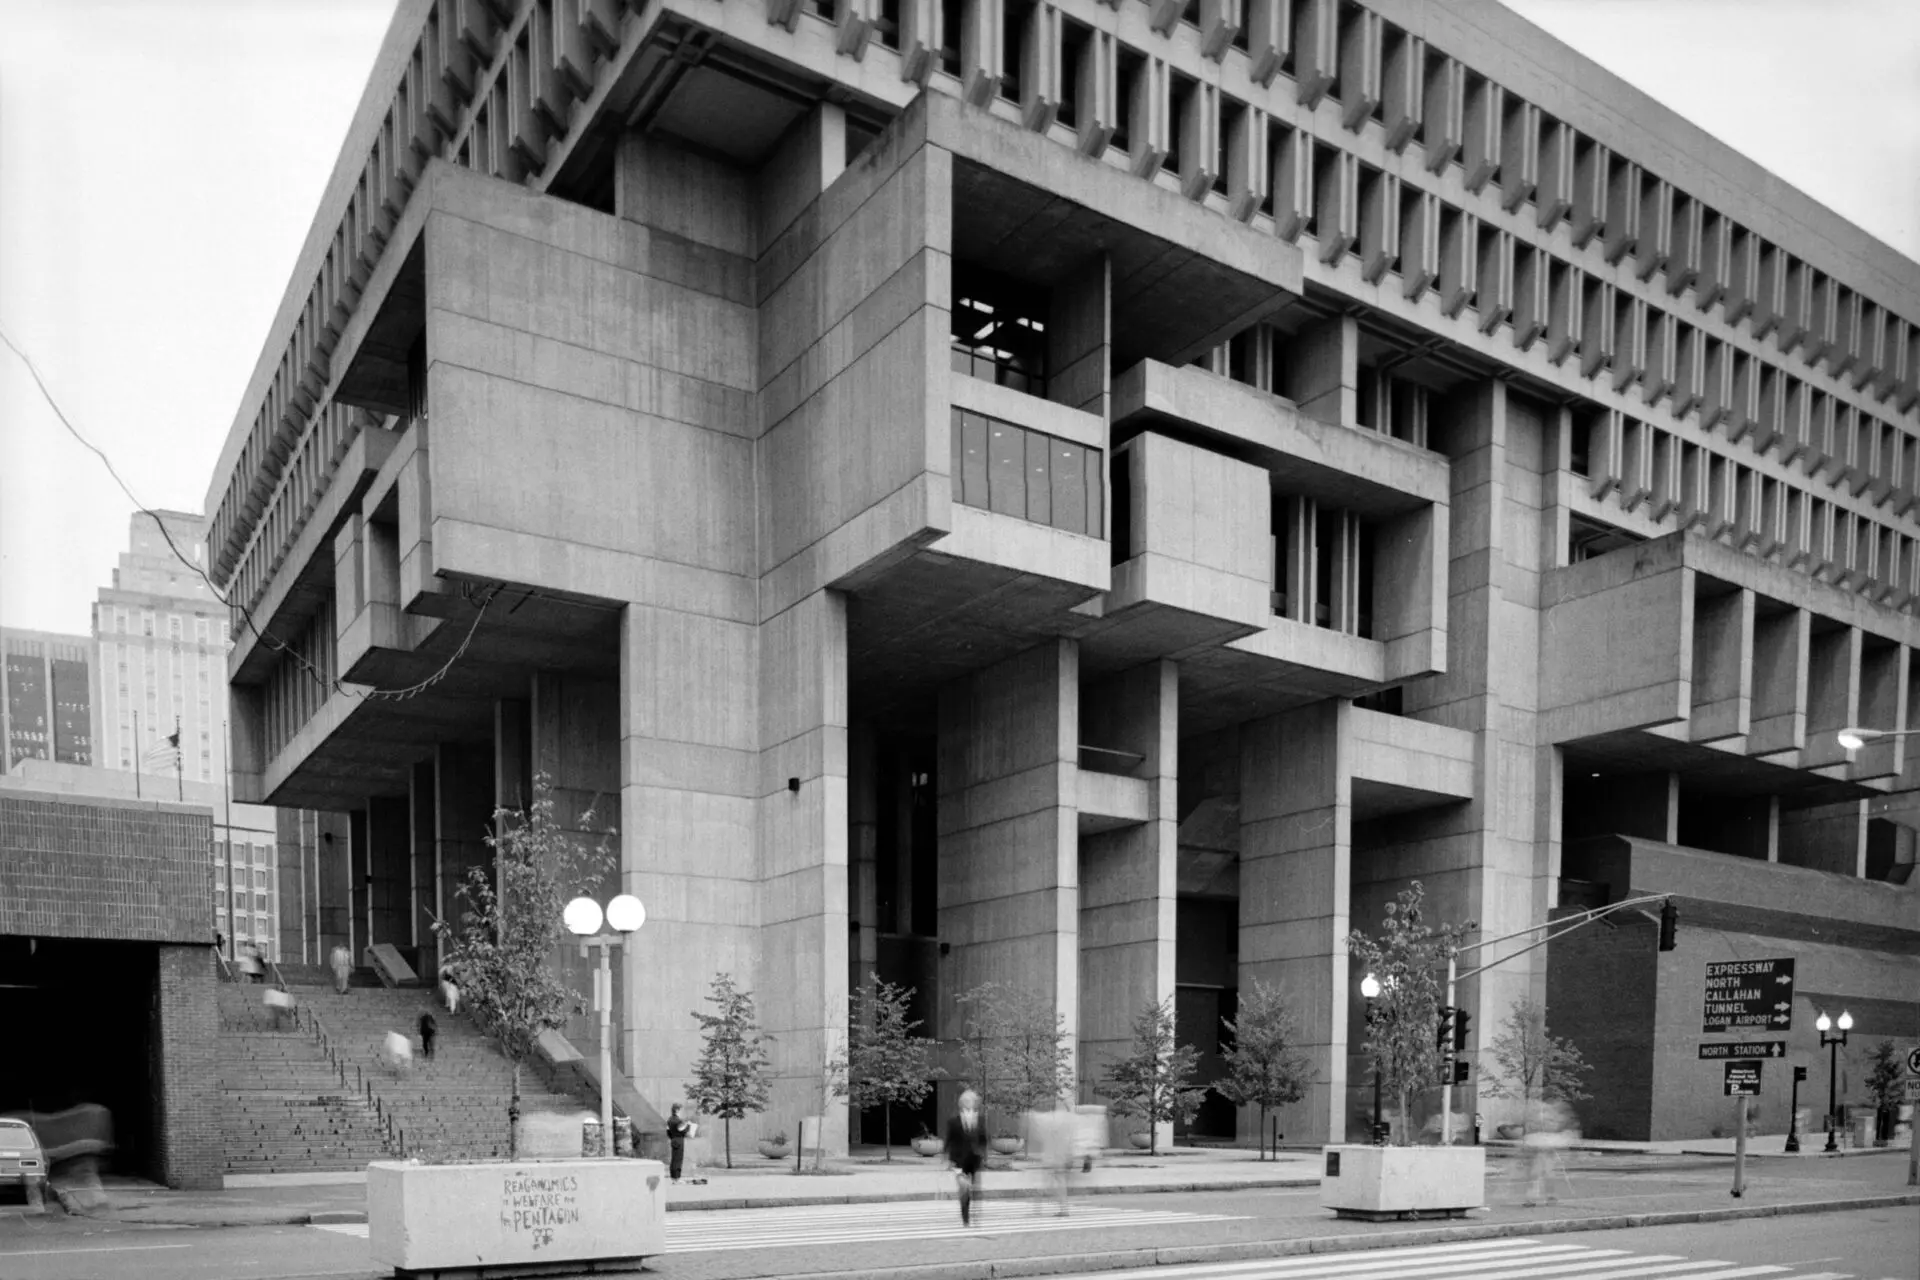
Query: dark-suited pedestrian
point(967, 1150)
point(676, 1141)
point(428, 1030)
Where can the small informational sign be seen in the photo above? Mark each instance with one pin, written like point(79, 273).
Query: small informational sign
point(1333, 1164)
point(1743, 1049)
point(1743, 1079)
point(1913, 1062)
point(1749, 995)
point(1913, 1088)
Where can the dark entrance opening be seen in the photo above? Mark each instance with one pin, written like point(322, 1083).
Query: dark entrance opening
point(78, 1019)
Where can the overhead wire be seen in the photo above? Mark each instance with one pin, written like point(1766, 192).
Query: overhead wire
point(483, 598)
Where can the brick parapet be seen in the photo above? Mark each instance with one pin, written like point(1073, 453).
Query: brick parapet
point(104, 869)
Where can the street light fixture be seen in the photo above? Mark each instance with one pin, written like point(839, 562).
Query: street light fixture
point(1854, 737)
point(1832, 1044)
point(1370, 991)
point(583, 917)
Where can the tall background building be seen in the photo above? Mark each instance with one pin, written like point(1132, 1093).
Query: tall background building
point(162, 642)
point(46, 698)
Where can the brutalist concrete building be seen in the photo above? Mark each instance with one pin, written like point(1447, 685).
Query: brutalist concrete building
point(1096, 496)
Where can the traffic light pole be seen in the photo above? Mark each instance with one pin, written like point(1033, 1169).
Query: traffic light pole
point(1570, 923)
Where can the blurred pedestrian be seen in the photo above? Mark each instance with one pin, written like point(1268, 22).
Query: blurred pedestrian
point(341, 961)
point(251, 967)
point(1551, 1129)
point(1050, 1141)
point(449, 991)
point(1089, 1134)
point(967, 1151)
point(677, 1130)
point(428, 1030)
point(397, 1052)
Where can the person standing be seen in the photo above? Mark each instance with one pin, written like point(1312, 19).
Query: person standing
point(676, 1141)
point(967, 1150)
point(342, 962)
point(428, 1030)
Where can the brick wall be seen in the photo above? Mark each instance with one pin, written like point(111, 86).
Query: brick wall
point(1601, 985)
point(184, 1069)
point(105, 869)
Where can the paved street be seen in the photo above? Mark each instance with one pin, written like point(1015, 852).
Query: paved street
point(1228, 1235)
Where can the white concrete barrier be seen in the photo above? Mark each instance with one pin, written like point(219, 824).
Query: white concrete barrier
point(426, 1217)
point(1367, 1181)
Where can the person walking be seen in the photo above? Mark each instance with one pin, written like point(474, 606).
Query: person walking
point(967, 1150)
point(428, 1030)
point(676, 1141)
point(341, 961)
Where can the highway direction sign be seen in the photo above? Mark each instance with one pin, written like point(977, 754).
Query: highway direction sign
point(1743, 1049)
point(1749, 995)
point(1743, 1079)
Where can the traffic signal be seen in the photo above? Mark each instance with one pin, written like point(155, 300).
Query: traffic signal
point(1799, 1074)
point(1444, 1032)
point(1461, 1020)
point(1460, 1071)
point(1669, 922)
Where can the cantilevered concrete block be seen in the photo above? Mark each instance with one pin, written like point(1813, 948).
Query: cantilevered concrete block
point(1617, 642)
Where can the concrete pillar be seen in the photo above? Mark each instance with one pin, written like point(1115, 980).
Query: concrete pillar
point(803, 802)
point(184, 1069)
point(1080, 338)
point(389, 873)
point(1296, 821)
point(1128, 881)
point(863, 880)
point(1320, 370)
point(422, 865)
point(1009, 740)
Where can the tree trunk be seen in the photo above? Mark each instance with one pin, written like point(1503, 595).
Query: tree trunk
point(726, 1127)
point(513, 1116)
point(887, 1129)
point(1263, 1132)
point(1406, 1119)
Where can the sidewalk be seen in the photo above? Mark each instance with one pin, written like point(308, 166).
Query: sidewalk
point(1759, 1146)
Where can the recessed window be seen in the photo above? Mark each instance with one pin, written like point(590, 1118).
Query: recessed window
point(1029, 475)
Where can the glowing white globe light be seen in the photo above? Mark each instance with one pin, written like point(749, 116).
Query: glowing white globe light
point(1846, 1020)
point(1370, 987)
point(1823, 1023)
point(626, 914)
point(1852, 739)
point(582, 916)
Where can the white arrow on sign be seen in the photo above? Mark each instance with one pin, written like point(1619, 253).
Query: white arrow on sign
point(1784, 977)
point(1783, 1007)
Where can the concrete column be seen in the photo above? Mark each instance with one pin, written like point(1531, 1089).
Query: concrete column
point(423, 888)
point(1080, 339)
point(863, 880)
point(389, 872)
point(688, 778)
point(1128, 882)
point(1009, 831)
point(803, 805)
point(1320, 370)
point(1296, 823)
point(462, 810)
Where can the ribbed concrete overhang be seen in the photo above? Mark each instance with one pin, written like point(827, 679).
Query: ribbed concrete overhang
point(1184, 279)
point(1685, 655)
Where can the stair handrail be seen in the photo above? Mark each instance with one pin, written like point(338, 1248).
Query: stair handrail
point(365, 1083)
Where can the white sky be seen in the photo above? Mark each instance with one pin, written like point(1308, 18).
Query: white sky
point(160, 161)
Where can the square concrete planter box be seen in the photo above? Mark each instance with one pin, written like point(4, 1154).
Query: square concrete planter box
point(563, 1216)
point(1393, 1182)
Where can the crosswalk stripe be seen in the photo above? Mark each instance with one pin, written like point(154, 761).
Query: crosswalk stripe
point(1334, 1264)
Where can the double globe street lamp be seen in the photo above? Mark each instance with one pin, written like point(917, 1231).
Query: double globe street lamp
point(624, 915)
point(1832, 1044)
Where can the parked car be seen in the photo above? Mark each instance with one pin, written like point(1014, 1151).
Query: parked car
point(22, 1162)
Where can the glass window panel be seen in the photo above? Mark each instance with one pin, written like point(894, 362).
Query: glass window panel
point(962, 361)
point(973, 469)
point(1007, 468)
point(1069, 478)
point(957, 452)
point(1096, 496)
point(1039, 494)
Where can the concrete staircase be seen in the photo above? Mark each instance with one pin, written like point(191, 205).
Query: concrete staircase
point(452, 1107)
point(284, 1108)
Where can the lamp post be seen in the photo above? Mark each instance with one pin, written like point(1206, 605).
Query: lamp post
point(1370, 990)
point(626, 914)
point(1832, 1044)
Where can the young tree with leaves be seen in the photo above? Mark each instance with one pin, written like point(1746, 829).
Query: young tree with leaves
point(1408, 960)
point(886, 1063)
point(1153, 1080)
point(510, 929)
point(1885, 1074)
point(1014, 1049)
point(1264, 1067)
point(734, 1073)
point(1530, 1065)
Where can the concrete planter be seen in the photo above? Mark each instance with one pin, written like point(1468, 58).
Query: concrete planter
point(1006, 1144)
point(775, 1150)
point(928, 1146)
point(429, 1218)
point(1394, 1182)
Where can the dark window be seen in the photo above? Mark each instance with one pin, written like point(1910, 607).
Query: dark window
point(1073, 44)
point(887, 25)
point(1125, 77)
point(950, 29)
point(999, 331)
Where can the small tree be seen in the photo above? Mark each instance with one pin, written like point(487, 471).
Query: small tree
point(510, 927)
point(886, 1063)
point(733, 1074)
point(1885, 1087)
point(1531, 1065)
point(1264, 1067)
point(1402, 1036)
point(1154, 1079)
point(1014, 1049)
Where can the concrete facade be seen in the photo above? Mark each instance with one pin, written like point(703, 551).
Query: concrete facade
point(983, 489)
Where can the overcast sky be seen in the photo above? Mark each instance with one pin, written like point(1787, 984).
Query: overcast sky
point(160, 161)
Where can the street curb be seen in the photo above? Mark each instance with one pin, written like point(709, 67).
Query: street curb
point(1011, 1193)
point(1254, 1250)
point(329, 1217)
